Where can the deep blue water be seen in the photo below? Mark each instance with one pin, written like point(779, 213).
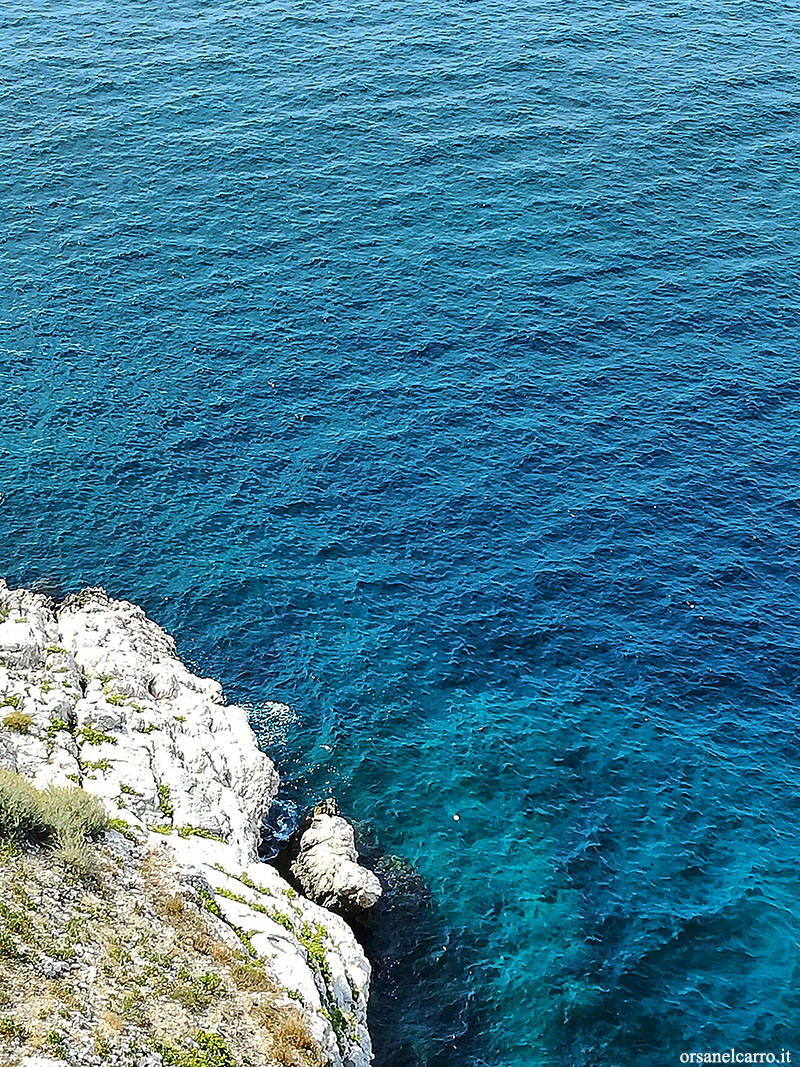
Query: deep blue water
point(433, 367)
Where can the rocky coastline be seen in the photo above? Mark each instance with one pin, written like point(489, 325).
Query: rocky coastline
point(173, 945)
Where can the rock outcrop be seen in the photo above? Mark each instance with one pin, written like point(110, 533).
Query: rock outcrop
point(327, 866)
point(93, 693)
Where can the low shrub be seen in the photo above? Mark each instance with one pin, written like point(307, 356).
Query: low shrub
point(91, 736)
point(18, 722)
point(212, 1052)
point(57, 1042)
point(72, 815)
point(12, 1029)
point(64, 818)
point(79, 859)
point(21, 815)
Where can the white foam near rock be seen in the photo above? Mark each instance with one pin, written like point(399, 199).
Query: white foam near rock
point(93, 692)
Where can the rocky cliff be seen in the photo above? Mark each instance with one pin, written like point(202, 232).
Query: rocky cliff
point(177, 946)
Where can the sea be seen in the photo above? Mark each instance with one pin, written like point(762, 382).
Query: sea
point(433, 369)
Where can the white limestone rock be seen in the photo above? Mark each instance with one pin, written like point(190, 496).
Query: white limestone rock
point(93, 692)
point(111, 706)
point(193, 758)
point(327, 867)
point(42, 1061)
point(308, 950)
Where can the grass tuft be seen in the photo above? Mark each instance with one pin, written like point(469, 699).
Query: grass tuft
point(21, 815)
point(62, 817)
point(293, 1045)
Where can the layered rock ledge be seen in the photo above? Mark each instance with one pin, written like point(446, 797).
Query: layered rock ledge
point(92, 693)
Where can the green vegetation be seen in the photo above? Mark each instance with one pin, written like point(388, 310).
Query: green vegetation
point(9, 949)
point(208, 902)
point(195, 994)
point(245, 879)
point(102, 1047)
point(311, 938)
point(163, 979)
point(18, 722)
point(246, 937)
point(123, 828)
point(97, 765)
point(12, 1030)
point(343, 1025)
point(55, 650)
point(11, 700)
point(212, 1051)
point(63, 818)
point(57, 1043)
point(94, 737)
point(21, 814)
point(249, 974)
point(165, 801)
point(14, 925)
point(63, 948)
point(198, 831)
point(281, 919)
point(256, 906)
point(210, 981)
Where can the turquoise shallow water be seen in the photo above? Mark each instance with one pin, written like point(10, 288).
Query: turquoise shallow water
point(434, 369)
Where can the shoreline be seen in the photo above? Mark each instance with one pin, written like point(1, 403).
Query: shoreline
point(98, 700)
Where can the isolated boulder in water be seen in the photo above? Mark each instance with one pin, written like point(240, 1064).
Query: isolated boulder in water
point(326, 865)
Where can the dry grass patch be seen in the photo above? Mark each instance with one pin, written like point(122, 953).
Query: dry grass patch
point(18, 722)
point(163, 976)
point(292, 1043)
